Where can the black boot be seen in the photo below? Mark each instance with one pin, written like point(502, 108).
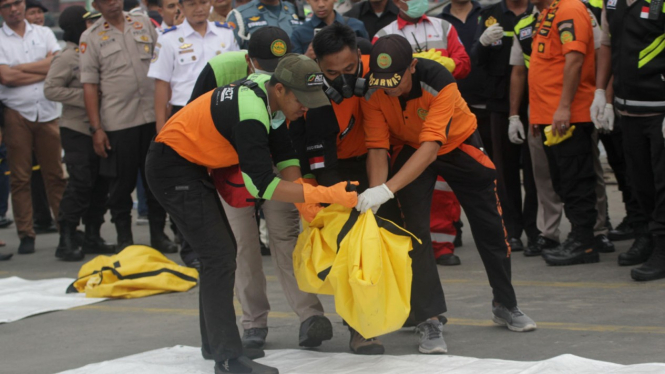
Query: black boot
point(158, 238)
point(458, 238)
point(94, 243)
point(27, 246)
point(577, 249)
point(654, 268)
point(67, 249)
point(639, 252)
point(542, 244)
point(603, 244)
point(622, 232)
point(124, 229)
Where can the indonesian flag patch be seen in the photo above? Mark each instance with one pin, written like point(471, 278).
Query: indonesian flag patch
point(645, 12)
point(316, 163)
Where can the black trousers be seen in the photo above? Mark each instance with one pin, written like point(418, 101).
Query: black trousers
point(613, 144)
point(41, 210)
point(472, 177)
point(484, 129)
point(645, 159)
point(86, 193)
point(189, 196)
point(574, 179)
point(509, 158)
point(129, 148)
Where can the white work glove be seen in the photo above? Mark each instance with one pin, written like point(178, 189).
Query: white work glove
point(598, 109)
point(608, 117)
point(515, 130)
point(491, 34)
point(373, 198)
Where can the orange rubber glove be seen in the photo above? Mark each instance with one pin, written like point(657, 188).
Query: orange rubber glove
point(336, 194)
point(308, 211)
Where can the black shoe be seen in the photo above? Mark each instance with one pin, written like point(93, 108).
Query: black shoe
point(541, 244)
point(45, 229)
point(163, 244)
point(67, 249)
point(448, 260)
point(5, 222)
point(654, 268)
point(196, 264)
point(27, 246)
point(94, 243)
point(602, 244)
point(622, 232)
point(243, 364)
point(572, 251)
point(79, 238)
point(516, 245)
point(265, 251)
point(458, 238)
point(123, 228)
point(639, 252)
point(6, 257)
point(314, 330)
point(254, 338)
point(250, 353)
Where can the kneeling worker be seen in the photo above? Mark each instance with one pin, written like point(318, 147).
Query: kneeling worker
point(238, 124)
point(416, 102)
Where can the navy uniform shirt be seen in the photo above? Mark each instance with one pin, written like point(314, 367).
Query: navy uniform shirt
point(303, 35)
point(254, 15)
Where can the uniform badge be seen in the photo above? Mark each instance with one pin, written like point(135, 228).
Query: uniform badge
point(146, 48)
point(233, 25)
point(254, 19)
point(278, 48)
point(566, 31)
point(193, 58)
point(315, 79)
point(105, 37)
point(384, 61)
point(541, 47)
point(286, 8)
point(218, 53)
point(490, 21)
point(144, 38)
point(422, 113)
point(76, 49)
point(107, 26)
point(181, 40)
point(566, 37)
point(185, 46)
point(295, 16)
point(101, 33)
point(138, 25)
point(129, 19)
point(611, 4)
point(260, 7)
point(83, 47)
point(526, 32)
point(223, 45)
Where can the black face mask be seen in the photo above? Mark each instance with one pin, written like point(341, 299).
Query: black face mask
point(346, 86)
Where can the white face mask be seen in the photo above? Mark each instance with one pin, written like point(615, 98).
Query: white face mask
point(277, 120)
point(259, 71)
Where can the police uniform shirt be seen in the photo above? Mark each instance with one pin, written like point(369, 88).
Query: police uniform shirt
point(254, 15)
point(181, 54)
point(35, 44)
point(63, 84)
point(118, 61)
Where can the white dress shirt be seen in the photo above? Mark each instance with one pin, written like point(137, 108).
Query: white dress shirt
point(35, 44)
point(182, 53)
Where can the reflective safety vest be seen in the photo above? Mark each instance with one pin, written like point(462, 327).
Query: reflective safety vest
point(524, 29)
point(638, 57)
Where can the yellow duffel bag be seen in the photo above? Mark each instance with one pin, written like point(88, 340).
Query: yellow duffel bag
point(362, 260)
point(137, 271)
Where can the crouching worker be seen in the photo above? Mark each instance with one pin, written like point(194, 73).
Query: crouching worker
point(416, 102)
point(238, 124)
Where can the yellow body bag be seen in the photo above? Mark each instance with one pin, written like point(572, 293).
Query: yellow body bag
point(362, 260)
point(137, 271)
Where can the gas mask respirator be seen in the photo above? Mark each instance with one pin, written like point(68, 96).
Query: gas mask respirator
point(346, 86)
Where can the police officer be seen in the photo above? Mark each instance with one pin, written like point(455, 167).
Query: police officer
point(630, 51)
point(115, 57)
point(87, 192)
point(181, 53)
point(260, 13)
point(238, 125)
point(91, 17)
point(282, 220)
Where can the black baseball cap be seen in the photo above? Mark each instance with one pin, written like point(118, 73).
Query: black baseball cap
point(267, 45)
point(35, 4)
point(391, 55)
point(303, 76)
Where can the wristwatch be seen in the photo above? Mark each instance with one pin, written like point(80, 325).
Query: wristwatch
point(93, 130)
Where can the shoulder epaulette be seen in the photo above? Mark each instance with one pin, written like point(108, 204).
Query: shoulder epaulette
point(224, 25)
point(169, 29)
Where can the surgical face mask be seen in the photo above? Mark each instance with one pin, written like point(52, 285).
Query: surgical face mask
point(258, 71)
point(416, 8)
point(277, 120)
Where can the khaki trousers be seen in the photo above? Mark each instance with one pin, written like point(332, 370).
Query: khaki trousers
point(250, 283)
point(550, 206)
point(22, 137)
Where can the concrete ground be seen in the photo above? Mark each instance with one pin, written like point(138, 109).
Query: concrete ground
point(594, 311)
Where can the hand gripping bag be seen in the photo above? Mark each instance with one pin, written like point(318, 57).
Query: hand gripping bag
point(364, 261)
point(137, 271)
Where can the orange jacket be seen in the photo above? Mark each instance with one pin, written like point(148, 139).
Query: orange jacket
point(434, 111)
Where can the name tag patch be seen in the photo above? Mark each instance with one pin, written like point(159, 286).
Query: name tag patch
point(526, 33)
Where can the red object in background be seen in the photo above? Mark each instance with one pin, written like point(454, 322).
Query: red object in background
point(230, 185)
point(445, 212)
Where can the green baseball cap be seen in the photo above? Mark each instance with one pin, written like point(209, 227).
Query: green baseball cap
point(303, 76)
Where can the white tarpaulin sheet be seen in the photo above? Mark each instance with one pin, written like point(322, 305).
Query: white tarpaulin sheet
point(181, 360)
point(20, 298)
